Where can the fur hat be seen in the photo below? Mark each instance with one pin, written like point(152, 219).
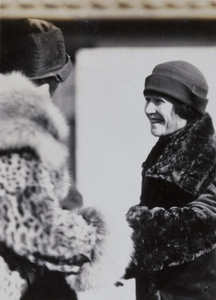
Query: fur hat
point(181, 81)
point(34, 47)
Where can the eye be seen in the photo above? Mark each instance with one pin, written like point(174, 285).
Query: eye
point(147, 99)
point(159, 101)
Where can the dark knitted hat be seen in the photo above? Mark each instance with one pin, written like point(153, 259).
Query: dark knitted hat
point(34, 47)
point(181, 81)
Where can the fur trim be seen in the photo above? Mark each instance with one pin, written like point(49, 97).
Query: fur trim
point(170, 238)
point(193, 152)
point(111, 254)
point(165, 238)
point(11, 284)
point(29, 118)
point(20, 133)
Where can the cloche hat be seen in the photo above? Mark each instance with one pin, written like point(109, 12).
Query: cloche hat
point(181, 81)
point(35, 47)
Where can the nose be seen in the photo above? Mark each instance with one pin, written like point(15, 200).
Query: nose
point(150, 108)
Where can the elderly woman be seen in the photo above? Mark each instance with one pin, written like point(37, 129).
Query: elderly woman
point(175, 221)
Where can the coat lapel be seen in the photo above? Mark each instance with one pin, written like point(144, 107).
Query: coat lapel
point(189, 159)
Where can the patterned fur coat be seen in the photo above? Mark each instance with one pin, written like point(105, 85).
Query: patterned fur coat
point(92, 249)
point(175, 222)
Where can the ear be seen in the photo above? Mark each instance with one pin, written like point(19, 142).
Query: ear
point(44, 89)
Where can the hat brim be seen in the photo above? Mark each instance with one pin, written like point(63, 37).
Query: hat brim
point(60, 74)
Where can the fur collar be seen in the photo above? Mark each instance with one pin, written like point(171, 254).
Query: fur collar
point(189, 158)
point(28, 118)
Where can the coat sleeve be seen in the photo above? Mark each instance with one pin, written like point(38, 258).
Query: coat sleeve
point(34, 226)
point(32, 222)
point(165, 238)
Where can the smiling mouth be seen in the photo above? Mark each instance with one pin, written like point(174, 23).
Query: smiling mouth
point(153, 121)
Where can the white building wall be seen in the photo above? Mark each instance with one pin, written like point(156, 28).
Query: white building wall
point(113, 137)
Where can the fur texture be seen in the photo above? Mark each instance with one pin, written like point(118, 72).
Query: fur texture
point(34, 179)
point(28, 118)
point(112, 237)
point(193, 163)
point(171, 237)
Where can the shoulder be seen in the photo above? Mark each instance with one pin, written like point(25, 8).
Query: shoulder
point(29, 118)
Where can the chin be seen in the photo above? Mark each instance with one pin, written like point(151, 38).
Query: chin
point(158, 130)
point(157, 133)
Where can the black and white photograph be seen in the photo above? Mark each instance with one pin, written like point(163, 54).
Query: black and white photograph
point(108, 150)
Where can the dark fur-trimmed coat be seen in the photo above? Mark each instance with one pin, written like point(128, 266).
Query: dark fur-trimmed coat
point(175, 222)
point(91, 248)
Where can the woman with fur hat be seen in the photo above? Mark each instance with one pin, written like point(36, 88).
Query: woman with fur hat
point(174, 223)
point(88, 248)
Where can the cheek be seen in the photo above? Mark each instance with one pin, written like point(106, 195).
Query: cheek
point(172, 122)
point(169, 118)
point(174, 117)
point(169, 112)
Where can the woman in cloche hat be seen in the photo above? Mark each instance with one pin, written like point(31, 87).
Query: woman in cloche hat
point(174, 223)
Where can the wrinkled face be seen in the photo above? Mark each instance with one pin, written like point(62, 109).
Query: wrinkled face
point(161, 114)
